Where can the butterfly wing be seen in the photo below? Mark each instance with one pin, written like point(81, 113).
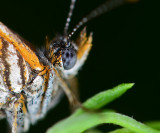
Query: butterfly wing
point(28, 55)
point(17, 62)
point(15, 59)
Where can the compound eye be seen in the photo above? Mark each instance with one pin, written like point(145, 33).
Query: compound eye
point(69, 58)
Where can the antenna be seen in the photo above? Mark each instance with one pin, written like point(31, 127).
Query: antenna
point(105, 7)
point(72, 5)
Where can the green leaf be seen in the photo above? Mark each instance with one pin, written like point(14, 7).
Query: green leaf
point(106, 97)
point(86, 120)
point(99, 101)
point(103, 98)
point(153, 124)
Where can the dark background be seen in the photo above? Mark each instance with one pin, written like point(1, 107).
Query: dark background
point(125, 49)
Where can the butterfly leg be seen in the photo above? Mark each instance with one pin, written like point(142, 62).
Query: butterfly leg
point(43, 98)
point(17, 117)
point(74, 102)
point(73, 85)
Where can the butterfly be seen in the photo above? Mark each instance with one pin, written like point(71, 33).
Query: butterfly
point(32, 81)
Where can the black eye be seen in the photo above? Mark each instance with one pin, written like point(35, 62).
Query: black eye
point(69, 58)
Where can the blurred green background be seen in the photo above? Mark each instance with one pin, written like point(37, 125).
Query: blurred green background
point(125, 49)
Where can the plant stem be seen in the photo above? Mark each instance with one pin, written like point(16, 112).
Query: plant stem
point(85, 121)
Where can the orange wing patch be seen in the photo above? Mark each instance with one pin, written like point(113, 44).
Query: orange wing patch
point(28, 55)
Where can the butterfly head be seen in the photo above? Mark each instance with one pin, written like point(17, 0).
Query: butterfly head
point(63, 52)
